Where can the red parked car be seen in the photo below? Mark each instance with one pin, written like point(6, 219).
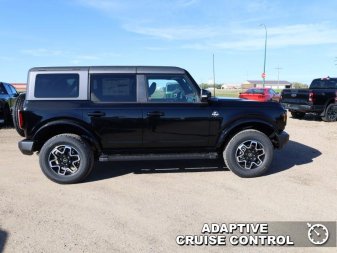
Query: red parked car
point(260, 94)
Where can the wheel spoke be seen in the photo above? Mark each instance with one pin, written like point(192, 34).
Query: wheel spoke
point(64, 160)
point(250, 154)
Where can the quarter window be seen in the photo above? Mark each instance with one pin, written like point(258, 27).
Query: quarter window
point(172, 89)
point(113, 88)
point(56, 86)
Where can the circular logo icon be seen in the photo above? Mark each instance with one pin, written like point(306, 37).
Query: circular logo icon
point(318, 234)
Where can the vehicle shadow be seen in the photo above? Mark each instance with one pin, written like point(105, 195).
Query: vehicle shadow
point(106, 170)
point(310, 117)
point(292, 154)
point(3, 239)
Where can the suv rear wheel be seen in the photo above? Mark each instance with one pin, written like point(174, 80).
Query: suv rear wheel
point(330, 114)
point(249, 153)
point(66, 159)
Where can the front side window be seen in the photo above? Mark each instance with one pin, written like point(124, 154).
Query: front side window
point(171, 88)
point(13, 89)
point(56, 86)
point(113, 88)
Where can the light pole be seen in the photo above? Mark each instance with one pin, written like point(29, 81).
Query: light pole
point(265, 56)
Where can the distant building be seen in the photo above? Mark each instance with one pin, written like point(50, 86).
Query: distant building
point(230, 86)
point(20, 87)
point(268, 84)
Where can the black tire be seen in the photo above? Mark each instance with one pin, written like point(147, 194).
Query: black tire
point(77, 155)
point(330, 114)
point(297, 115)
point(251, 141)
point(18, 106)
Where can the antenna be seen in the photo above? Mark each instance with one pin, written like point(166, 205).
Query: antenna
point(213, 77)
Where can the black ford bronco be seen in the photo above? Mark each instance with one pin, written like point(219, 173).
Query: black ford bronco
point(73, 116)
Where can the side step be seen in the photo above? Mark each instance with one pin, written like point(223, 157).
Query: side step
point(156, 157)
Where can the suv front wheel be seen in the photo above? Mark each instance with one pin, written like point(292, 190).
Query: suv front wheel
point(66, 159)
point(249, 153)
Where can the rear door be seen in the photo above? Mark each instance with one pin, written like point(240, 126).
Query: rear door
point(113, 111)
point(174, 117)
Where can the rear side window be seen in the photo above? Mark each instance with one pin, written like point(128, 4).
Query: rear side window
point(56, 86)
point(113, 88)
point(255, 91)
point(324, 84)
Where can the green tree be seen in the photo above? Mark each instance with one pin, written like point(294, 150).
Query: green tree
point(298, 85)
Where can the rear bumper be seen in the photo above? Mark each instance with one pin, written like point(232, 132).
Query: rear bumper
point(302, 108)
point(282, 139)
point(26, 147)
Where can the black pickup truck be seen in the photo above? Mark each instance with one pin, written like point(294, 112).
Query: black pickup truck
point(320, 98)
point(73, 116)
point(8, 95)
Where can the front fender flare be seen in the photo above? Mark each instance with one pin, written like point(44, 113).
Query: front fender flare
point(241, 124)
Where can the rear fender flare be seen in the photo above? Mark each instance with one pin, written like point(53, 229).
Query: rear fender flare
point(65, 126)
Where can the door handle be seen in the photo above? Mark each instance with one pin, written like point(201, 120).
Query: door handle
point(155, 114)
point(96, 114)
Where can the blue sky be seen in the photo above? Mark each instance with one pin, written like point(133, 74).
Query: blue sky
point(302, 36)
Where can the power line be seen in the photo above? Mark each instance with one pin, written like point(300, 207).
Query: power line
point(278, 74)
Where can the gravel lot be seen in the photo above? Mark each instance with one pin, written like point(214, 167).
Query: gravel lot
point(142, 207)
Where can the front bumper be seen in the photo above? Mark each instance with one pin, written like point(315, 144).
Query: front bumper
point(282, 139)
point(26, 147)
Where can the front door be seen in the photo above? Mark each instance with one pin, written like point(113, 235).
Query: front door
point(174, 116)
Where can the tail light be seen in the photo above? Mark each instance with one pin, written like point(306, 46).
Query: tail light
point(20, 117)
point(336, 97)
point(312, 97)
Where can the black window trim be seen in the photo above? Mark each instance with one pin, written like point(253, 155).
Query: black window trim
point(58, 97)
point(170, 74)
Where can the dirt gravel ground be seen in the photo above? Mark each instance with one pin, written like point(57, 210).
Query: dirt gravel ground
point(142, 206)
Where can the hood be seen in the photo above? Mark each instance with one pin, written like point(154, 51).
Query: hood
point(238, 102)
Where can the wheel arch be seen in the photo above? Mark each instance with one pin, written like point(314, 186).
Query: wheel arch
point(329, 102)
point(259, 125)
point(65, 126)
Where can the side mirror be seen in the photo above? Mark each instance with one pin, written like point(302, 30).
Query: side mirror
point(16, 95)
point(205, 95)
